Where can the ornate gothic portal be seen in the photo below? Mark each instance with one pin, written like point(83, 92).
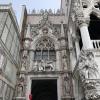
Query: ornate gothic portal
point(45, 72)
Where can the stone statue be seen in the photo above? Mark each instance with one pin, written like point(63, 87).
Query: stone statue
point(67, 87)
point(49, 65)
point(35, 66)
point(20, 90)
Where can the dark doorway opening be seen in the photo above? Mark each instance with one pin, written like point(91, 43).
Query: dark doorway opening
point(94, 27)
point(44, 89)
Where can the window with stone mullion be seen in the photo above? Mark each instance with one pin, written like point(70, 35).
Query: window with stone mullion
point(52, 55)
point(45, 55)
point(38, 55)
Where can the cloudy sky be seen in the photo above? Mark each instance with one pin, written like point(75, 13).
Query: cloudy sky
point(31, 4)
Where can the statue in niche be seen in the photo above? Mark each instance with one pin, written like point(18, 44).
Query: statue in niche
point(20, 85)
point(64, 59)
point(64, 62)
point(67, 84)
point(20, 90)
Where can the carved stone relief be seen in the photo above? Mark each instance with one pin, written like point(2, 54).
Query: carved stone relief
point(34, 31)
point(92, 89)
point(44, 26)
point(88, 72)
point(87, 65)
point(43, 66)
point(20, 86)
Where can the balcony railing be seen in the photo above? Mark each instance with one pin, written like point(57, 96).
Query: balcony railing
point(96, 44)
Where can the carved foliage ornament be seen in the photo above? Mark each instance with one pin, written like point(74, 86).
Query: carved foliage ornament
point(20, 85)
point(45, 25)
point(91, 90)
point(87, 66)
point(77, 10)
point(88, 71)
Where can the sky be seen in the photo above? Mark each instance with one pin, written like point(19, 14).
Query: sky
point(31, 4)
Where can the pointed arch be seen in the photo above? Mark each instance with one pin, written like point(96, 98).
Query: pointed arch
point(94, 27)
point(51, 38)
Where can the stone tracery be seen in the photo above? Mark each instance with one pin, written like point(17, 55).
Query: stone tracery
point(45, 43)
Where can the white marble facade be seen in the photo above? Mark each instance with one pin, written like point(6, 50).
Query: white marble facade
point(9, 52)
point(51, 46)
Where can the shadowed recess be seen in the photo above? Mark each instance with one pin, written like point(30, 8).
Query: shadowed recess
point(44, 89)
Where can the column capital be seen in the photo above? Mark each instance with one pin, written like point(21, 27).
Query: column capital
point(81, 21)
point(79, 16)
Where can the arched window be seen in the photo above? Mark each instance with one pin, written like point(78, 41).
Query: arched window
point(45, 50)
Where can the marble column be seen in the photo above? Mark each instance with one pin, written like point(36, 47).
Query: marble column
point(59, 86)
point(31, 60)
point(77, 47)
point(87, 44)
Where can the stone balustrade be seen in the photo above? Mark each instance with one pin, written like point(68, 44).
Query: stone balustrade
point(96, 44)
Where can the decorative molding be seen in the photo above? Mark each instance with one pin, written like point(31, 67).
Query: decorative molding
point(92, 89)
